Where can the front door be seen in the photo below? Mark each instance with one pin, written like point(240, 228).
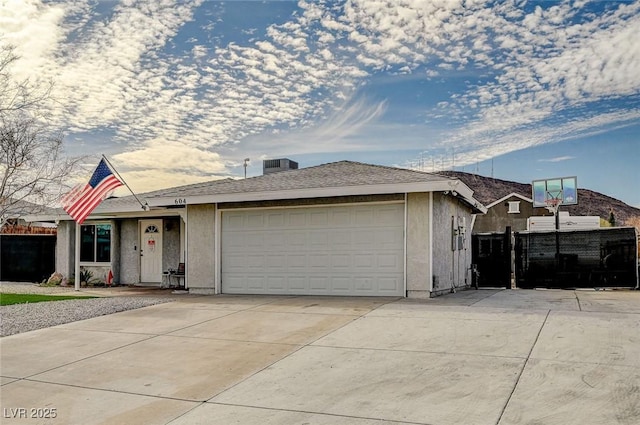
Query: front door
point(150, 251)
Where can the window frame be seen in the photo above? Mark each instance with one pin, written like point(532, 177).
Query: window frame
point(95, 253)
point(514, 207)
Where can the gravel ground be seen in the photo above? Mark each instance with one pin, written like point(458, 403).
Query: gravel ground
point(32, 288)
point(18, 318)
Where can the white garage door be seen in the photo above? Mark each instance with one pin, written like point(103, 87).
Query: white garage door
point(337, 250)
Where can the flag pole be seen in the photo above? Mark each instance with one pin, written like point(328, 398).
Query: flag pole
point(76, 264)
point(144, 207)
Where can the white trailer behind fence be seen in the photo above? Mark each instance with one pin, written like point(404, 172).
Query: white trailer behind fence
point(567, 222)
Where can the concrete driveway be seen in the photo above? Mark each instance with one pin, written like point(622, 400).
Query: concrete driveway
point(475, 357)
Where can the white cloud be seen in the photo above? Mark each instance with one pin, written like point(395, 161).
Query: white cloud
point(34, 29)
point(571, 67)
point(335, 133)
point(483, 146)
point(557, 159)
point(297, 87)
point(171, 162)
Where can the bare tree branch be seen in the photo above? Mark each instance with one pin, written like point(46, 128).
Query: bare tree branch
point(33, 168)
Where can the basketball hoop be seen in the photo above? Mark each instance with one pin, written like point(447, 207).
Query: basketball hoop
point(553, 200)
point(553, 205)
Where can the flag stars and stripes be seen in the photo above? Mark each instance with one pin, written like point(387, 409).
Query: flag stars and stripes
point(83, 199)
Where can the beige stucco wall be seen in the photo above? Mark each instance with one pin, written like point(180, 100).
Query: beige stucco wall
point(170, 242)
point(450, 268)
point(418, 245)
point(129, 270)
point(201, 253)
point(65, 248)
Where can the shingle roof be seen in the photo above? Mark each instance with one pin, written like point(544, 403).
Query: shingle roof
point(335, 174)
point(21, 208)
point(358, 177)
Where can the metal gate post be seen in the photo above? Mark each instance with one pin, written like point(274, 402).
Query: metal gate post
point(507, 257)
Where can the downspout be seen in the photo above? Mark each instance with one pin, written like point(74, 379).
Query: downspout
point(406, 214)
point(217, 254)
point(430, 238)
point(185, 217)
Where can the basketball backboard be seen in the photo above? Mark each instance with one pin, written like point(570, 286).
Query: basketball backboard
point(563, 188)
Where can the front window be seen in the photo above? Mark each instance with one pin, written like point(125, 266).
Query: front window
point(514, 207)
point(95, 243)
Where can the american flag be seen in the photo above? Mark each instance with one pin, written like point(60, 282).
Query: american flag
point(85, 198)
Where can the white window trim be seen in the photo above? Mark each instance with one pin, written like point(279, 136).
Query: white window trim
point(96, 263)
point(514, 207)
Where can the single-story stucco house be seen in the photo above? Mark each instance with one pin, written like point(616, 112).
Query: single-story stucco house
point(343, 228)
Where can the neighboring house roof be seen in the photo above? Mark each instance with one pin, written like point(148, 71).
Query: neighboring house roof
point(511, 195)
point(341, 178)
point(19, 208)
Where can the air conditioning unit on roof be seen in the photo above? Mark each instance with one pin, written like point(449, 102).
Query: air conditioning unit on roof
point(275, 165)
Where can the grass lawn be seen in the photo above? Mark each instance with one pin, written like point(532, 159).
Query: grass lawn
point(8, 299)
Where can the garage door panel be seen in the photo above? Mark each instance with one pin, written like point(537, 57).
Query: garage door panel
point(340, 239)
point(296, 262)
point(364, 217)
point(363, 238)
point(340, 218)
point(319, 240)
point(277, 283)
point(388, 214)
point(320, 261)
point(255, 221)
point(275, 240)
point(364, 284)
point(319, 283)
point(296, 238)
point(389, 262)
point(363, 261)
point(297, 284)
point(254, 261)
point(387, 238)
point(388, 284)
point(343, 261)
point(234, 221)
point(341, 284)
point(275, 219)
point(233, 283)
point(319, 218)
point(335, 250)
point(276, 261)
point(297, 218)
point(233, 244)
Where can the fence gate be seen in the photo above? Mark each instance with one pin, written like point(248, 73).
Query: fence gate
point(27, 258)
point(606, 257)
point(491, 253)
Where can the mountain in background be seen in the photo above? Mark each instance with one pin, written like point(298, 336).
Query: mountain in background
point(487, 190)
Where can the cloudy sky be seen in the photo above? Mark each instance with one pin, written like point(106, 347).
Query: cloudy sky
point(176, 92)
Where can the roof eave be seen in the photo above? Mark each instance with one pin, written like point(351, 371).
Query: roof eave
point(511, 195)
point(107, 214)
point(320, 192)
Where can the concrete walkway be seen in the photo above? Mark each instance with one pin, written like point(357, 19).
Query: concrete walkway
point(475, 357)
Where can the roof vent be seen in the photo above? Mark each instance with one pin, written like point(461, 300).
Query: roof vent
point(274, 165)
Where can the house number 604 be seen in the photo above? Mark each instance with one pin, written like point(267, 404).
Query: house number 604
point(180, 201)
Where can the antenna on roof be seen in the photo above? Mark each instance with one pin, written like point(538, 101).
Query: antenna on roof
point(453, 159)
point(246, 161)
